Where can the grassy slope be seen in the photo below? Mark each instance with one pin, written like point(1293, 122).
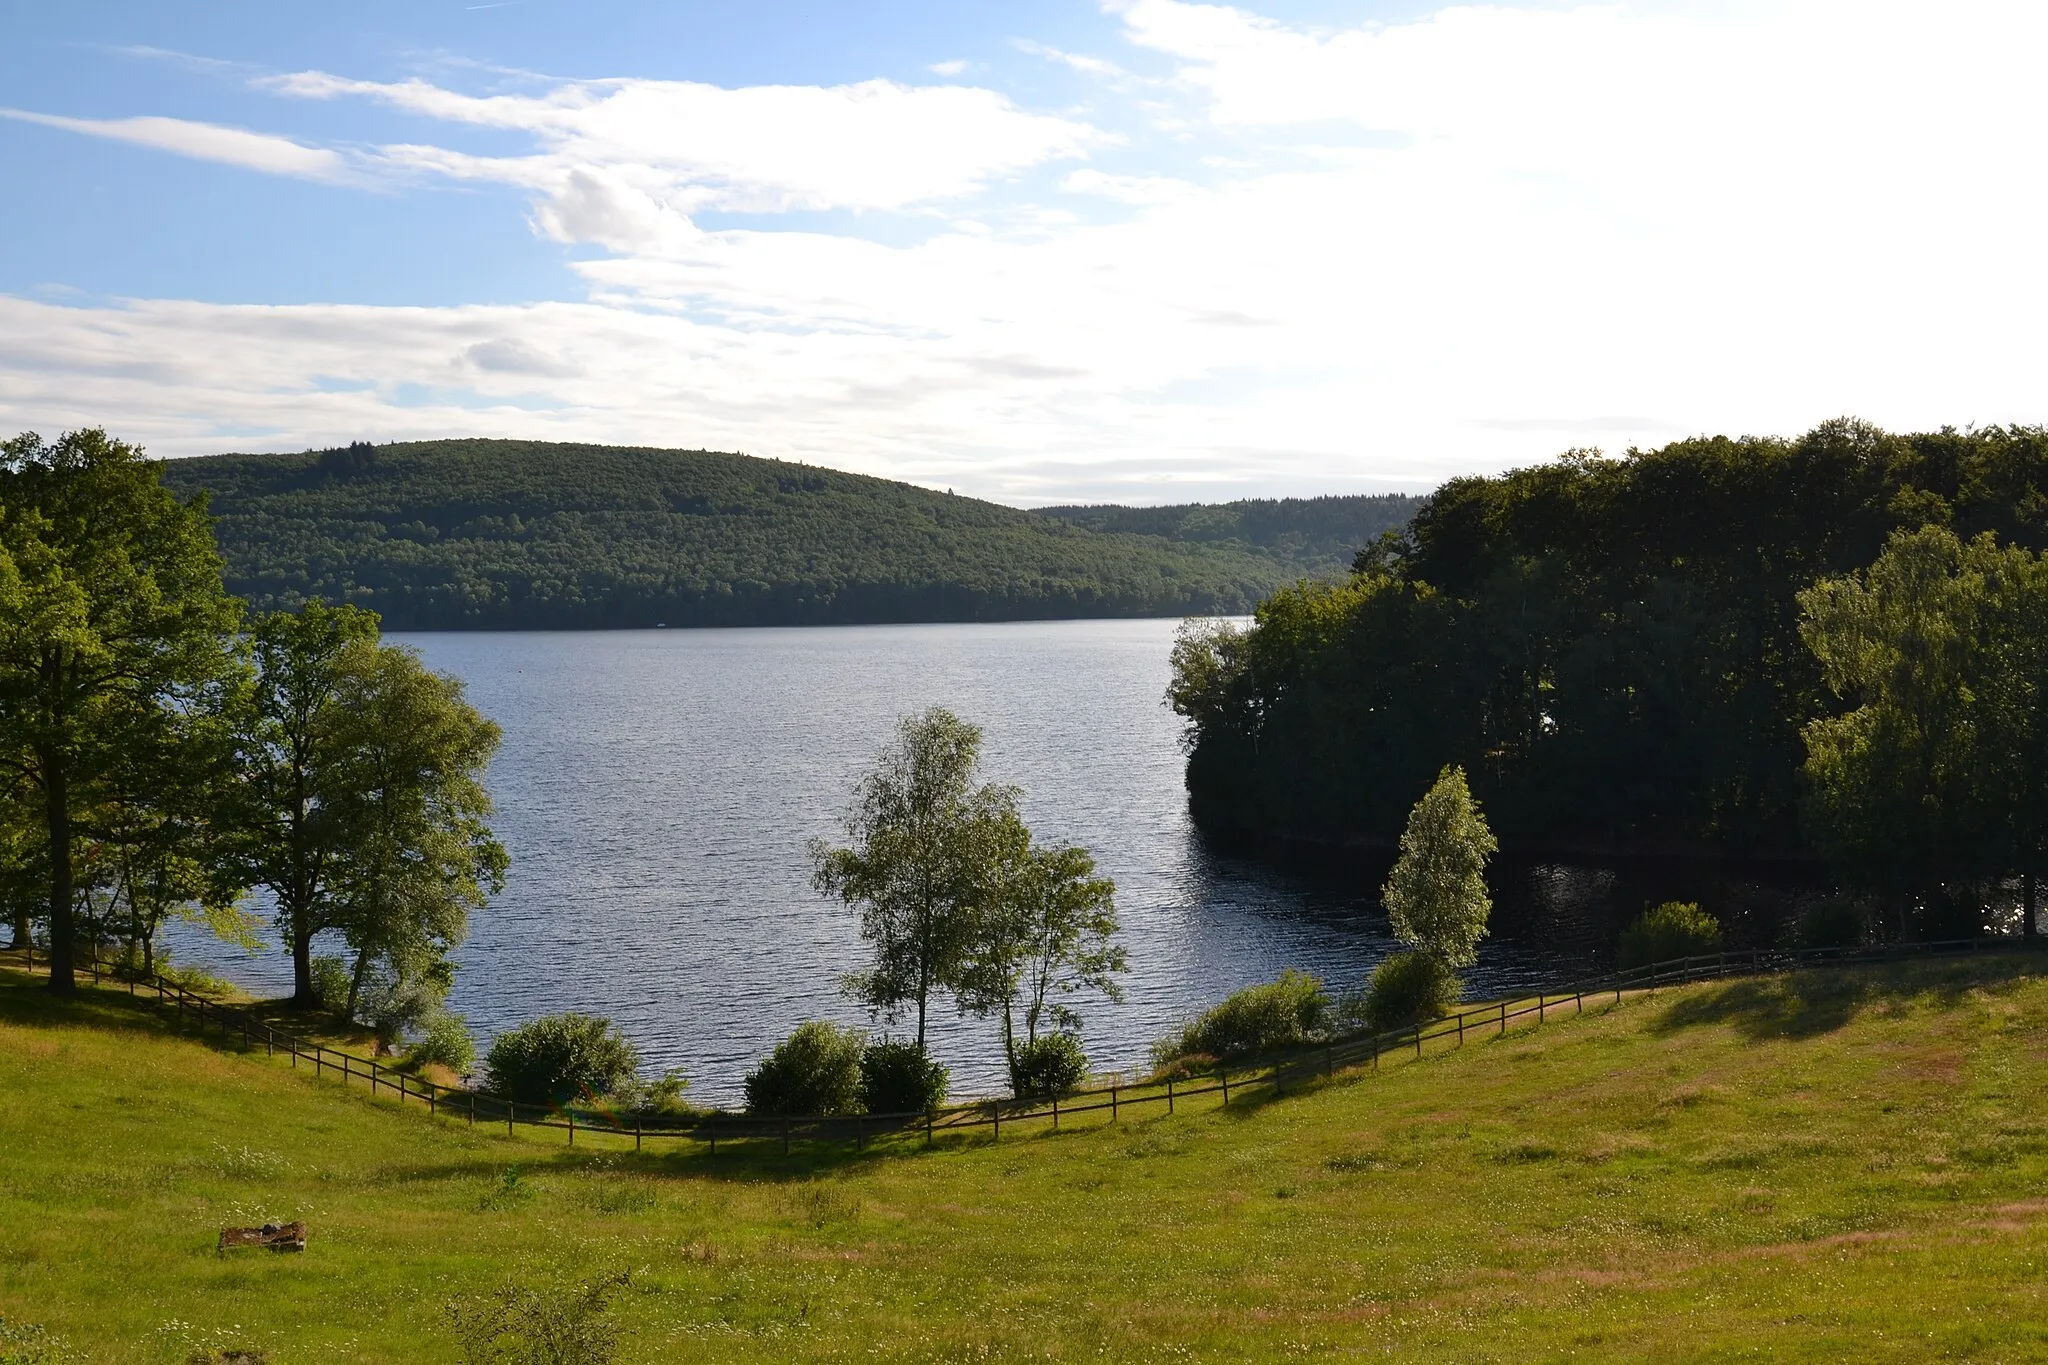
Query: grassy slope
point(1840, 1165)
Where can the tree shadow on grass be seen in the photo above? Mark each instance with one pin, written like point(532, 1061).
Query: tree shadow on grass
point(1816, 1002)
point(26, 1001)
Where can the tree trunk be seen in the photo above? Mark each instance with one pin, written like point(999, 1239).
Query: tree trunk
point(22, 927)
point(302, 958)
point(57, 814)
point(355, 981)
point(1009, 1045)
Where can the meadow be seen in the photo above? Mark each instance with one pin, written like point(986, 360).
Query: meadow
point(1833, 1164)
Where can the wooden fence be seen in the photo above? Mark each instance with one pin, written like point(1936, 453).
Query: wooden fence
point(1270, 1076)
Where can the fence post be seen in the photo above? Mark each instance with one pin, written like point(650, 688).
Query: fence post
point(1224, 1073)
point(995, 1109)
point(1503, 1020)
point(511, 1110)
point(1418, 1042)
point(433, 1100)
point(928, 1119)
point(714, 1137)
point(636, 1132)
point(1055, 1113)
point(1461, 1028)
point(472, 1108)
point(572, 1126)
point(1112, 1104)
point(1169, 1094)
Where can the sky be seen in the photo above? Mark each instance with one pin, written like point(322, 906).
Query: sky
point(1130, 250)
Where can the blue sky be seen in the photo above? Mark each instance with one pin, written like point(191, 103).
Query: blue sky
point(1142, 250)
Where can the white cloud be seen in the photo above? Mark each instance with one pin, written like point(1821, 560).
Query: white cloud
point(206, 142)
point(1390, 252)
point(680, 146)
point(956, 67)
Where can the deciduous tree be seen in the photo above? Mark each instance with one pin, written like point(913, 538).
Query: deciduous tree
point(929, 843)
point(118, 617)
point(1436, 895)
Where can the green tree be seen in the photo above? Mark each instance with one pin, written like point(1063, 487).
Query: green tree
point(929, 847)
point(1436, 895)
point(364, 810)
point(120, 618)
point(1939, 771)
point(293, 815)
point(418, 855)
point(1047, 934)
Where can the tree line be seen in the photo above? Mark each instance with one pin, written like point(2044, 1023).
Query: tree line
point(1826, 648)
point(166, 754)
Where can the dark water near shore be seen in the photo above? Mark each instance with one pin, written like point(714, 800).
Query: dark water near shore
point(656, 790)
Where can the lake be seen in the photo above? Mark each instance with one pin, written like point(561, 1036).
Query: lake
point(657, 789)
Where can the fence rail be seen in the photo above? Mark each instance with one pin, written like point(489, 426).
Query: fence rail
point(1318, 1061)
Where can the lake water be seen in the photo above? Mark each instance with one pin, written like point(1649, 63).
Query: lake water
point(656, 791)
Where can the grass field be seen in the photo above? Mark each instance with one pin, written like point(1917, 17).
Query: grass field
point(1850, 1164)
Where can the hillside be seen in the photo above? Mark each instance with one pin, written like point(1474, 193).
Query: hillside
point(1312, 535)
point(516, 534)
point(1837, 1165)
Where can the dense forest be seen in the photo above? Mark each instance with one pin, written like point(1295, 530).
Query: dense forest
point(1629, 656)
point(518, 534)
point(1314, 536)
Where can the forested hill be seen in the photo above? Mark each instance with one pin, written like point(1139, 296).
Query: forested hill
point(530, 535)
point(1314, 535)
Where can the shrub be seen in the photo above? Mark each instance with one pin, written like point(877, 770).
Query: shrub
point(1674, 929)
point(899, 1078)
point(446, 1042)
point(394, 1007)
point(1052, 1065)
point(1409, 988)
point(558, 1058)
point(330, 983)
point(816, 1070)
point(1279, 1014)
point(1835, 922)
point(663, 1096)
point(553, 1324)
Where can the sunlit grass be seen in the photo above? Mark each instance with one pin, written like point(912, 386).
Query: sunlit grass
point(1838, 1165)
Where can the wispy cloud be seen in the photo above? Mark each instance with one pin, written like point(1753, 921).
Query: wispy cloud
point(263, 152)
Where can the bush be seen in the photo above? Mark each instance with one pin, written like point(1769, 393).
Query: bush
point(445, 1043)
point(1283, 1013)
point(560, 1323)
point(395, 1007)
point(1674, 929)
point(1409, 988)
point(558, 1058)
point(663, 1096)
point(898, 1078)
point(331, 978)
point(816, 1070)
point(1052, 1065)
point(1835, 922)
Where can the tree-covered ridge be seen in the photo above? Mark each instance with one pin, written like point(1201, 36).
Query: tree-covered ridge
point(1611, 648)
point(519, 534)
point(1313, 535)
